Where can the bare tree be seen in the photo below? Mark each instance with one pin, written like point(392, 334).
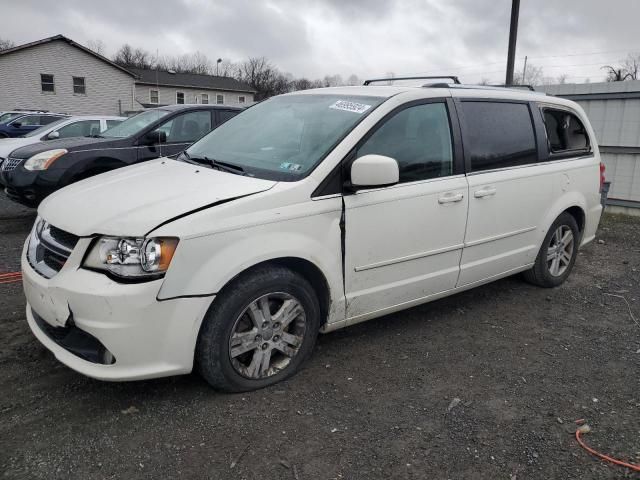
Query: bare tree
point(561, 79)
point(532, 76)
point(485, 81)
point(353, 80)
point(96, 45)
point(616, 74)
point(631, 65)
point(5, 44)
point(263, 77)
point(127, 56)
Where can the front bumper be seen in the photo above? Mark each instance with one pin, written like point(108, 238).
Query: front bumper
point(30, 187)
point(145, 338)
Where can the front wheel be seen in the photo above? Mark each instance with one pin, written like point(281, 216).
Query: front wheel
point(259, 330)
point(557, 254)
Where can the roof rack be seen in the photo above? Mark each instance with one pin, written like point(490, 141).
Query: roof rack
point(392, 79)
point(513, 85)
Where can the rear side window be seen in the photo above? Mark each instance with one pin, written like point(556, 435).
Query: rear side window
point(498, 135)
point(225, 115)
point(565, 131)
point(419, 139)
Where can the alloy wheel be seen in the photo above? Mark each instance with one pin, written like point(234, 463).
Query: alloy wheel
point(267, 335)
point(560, 250)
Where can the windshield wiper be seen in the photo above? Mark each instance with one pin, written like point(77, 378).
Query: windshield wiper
point(215, 164)
point(95, 135)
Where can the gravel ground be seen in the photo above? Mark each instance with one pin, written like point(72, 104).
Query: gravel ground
point(484, 384)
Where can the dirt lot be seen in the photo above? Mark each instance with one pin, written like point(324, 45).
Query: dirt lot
point(372, 403)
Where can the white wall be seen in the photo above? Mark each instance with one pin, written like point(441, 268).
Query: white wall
point(20, 81)
point(168, 95)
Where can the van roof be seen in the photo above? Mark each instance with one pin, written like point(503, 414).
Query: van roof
point(447, 90)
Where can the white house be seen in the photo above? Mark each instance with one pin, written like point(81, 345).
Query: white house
point(60, 75)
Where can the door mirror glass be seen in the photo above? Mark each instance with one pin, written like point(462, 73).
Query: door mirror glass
point(374, 171)
point(155, 137)
point(53, 135)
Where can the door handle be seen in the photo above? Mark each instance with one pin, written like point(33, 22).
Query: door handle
point(450, 198)
point(485, 192)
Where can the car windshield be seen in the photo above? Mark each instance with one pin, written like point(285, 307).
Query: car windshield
point(285, 137)
point(5, 117)
point(134, 124)
point(45, 128)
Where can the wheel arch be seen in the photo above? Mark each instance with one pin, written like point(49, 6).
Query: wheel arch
point(304, 267)
point(573, 203)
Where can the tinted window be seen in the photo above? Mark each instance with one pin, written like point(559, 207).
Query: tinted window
point(498, 135)
point(29, 120)
point(225, 115)
point(135, 124)
point(47, 119)
point(188, 127)
point(84, 128)
point(419, 139)
point(565, 132)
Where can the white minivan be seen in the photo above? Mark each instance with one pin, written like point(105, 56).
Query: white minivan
point(306, 213)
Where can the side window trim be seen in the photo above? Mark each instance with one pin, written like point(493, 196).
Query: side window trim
point(534, 125)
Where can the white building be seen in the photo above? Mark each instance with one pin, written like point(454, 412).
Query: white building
point(60, 75)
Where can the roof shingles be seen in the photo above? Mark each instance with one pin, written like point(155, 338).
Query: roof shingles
point(189, 80)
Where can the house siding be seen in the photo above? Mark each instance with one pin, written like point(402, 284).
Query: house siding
point(168, 95)
point(108, 89)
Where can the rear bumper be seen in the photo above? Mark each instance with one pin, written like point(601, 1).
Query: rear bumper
point(108, 330)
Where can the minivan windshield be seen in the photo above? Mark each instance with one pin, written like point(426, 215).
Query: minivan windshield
point(285, 137)
point(45, 128)
point(133, 125)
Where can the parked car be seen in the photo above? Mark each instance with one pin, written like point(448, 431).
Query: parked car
point(308, 212)
point(27, 122)
point(78, 126)
point(31, 173)
point(8, 115)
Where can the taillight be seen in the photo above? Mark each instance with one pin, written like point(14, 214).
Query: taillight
point(602, 177)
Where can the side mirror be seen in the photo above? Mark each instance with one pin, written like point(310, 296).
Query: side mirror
point(154, 137)
point(371, 171)
point(53, 135)
point(16, 124)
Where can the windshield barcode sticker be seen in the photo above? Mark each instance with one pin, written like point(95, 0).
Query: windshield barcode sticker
point(350, 106)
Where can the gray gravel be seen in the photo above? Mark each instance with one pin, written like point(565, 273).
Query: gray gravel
point(485, 384)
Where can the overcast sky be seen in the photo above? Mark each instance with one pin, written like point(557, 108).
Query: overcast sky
point(365, 37)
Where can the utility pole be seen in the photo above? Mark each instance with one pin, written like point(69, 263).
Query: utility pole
point(513, 35)
point(524, 70)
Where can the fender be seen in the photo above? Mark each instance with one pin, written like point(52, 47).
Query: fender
point(81, 167)
point(203, 265)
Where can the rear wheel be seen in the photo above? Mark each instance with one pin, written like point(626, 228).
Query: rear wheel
point(259, 330)
point(557, 254)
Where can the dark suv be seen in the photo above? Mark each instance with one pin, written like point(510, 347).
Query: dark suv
point(31, 173)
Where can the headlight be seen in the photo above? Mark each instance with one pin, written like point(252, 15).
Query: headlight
point(43, 160)
point(133, 258)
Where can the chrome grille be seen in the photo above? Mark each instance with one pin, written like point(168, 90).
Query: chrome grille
point(11, 163)
point(49, 248)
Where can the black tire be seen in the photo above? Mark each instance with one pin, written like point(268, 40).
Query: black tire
point(4, 135)
point(540, 274)
point(212, 357)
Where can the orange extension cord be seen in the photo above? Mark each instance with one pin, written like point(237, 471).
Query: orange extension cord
point(605, 457)
point(11, 277)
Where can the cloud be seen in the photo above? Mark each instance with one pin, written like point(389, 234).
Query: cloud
point(368, 37)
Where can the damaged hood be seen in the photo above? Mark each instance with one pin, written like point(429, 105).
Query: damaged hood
point(132, 201)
